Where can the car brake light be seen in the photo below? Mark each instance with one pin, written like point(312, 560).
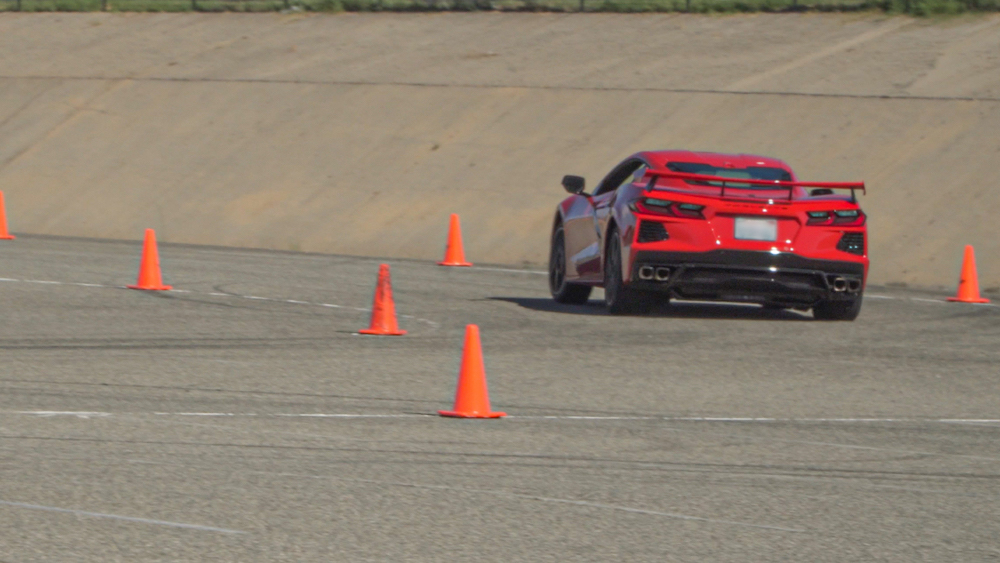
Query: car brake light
point(665, 207)
point(690, 209)
point(838, 217)
point(651, 205)
point(817, 217)
point(849, 217)
point(661, 203)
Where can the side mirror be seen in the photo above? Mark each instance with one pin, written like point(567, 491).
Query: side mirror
point(573, 184)
point(821, 191)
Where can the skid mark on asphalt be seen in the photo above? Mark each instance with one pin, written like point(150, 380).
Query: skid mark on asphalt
point(218, 294)
point(836, 445)
point(491, 492)
point(575, 502)
point(346, 416)
point(523, 86)
point(119, 517)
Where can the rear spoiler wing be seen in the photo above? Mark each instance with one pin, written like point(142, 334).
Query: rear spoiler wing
point(654, 175)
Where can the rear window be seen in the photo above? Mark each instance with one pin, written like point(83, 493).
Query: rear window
point(748, 173)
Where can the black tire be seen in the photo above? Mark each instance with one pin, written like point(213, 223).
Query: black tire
point(563, 291)
point(837, 310)
point(620, 299)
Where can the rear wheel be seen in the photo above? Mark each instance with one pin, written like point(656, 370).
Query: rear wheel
point(837, 310)
point(620, 299)
point(563, 291)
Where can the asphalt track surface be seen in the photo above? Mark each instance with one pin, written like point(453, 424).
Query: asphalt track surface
point(242, 419)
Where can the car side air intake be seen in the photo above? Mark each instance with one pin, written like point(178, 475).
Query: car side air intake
point(652, 231)
point(853, 243)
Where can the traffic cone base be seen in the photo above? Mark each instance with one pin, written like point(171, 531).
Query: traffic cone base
point(968, 283)
point(968, 300)
point(380, 332)
point(151, 287)
point(4, 235)
point(454, 254)
point(456, 414)
point(150, 278)
point(383, 322)
point(471, 398)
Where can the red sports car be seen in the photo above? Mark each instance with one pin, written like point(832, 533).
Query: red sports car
point(707, 226)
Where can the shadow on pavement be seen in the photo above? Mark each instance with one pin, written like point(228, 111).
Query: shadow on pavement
point(675, 309)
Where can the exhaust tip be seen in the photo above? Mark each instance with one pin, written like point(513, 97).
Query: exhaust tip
point(662, 274)
point(646, 272)
point(839, 285)
point(854, 286)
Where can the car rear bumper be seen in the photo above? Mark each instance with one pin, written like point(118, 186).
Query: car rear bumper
point(741, 275)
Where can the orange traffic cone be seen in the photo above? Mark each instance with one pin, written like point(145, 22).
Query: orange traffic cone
point(149, 268)
point(471, 398)
point(968, 284)
point(454, 255)
point(383, 309)
point(4, 235)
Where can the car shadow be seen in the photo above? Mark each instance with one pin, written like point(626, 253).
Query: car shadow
point(675, 309)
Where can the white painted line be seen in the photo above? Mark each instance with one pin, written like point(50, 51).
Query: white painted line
point(322, 415)
point(78, 414)
point(198, 414)
point(432, 323)
point(924, 300)
point(497, 493)
point(829, 444)
point(117, 517)
point(512, 270)
point(984, 422)
point(721, 419)
point(736, 419)
point(656, 513)
point(571, 417)
point(217, 294)
point(969, 420)
point(579, 503)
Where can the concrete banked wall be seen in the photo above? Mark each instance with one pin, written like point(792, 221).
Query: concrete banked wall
point(358, 134)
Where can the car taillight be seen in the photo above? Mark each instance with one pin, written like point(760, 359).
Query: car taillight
point(658, 205)
point(665, 207)
point(840, 217)
point(818, 217)
point(689, 209)
point(846, 216)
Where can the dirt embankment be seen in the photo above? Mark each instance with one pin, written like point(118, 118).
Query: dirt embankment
point(358, 134)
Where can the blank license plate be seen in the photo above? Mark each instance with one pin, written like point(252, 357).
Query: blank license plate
point(752, 228)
